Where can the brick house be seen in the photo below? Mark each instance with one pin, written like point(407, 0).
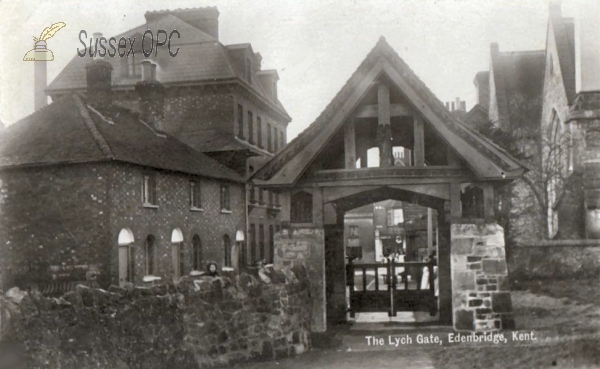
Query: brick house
point(537, 89)
point(218, 100)
point(90, 186)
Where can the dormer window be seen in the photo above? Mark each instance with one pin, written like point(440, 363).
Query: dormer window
point(249, 70)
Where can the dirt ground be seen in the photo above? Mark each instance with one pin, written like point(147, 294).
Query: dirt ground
point(564, 314)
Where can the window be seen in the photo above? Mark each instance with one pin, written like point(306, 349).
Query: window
point(270, 198)
point(227, 249)
point(195, 195)
point(261, 240)
point(197, 253)
point(271, 243)
point(259, 132)
point(225, 201)
point(250, 127)
point(276, 139)
point(353, 231)
point(552, 213)
point(269, 137)
point(126, 256)
point(276, 198)
point(395, 217)
point(261, 197)
point(240, 121)
point(281, 139)
point(252, 242)
point(149, 189)
point(129, 67)
point(149, 255)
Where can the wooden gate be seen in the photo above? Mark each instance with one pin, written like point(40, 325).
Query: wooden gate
point(373, 290)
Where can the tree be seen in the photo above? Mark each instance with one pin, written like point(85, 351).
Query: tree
point(545, 150)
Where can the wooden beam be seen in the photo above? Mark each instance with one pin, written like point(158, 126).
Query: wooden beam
point(453, 159)
point(285, 199)
point(317, 208)
point(350, 144)
point(429, 230)
point(419, 141)
point(488, 203)
point(455, 205)
point(384, 129)
point(372, 111)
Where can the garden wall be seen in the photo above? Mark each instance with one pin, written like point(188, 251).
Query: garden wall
point(201, 323)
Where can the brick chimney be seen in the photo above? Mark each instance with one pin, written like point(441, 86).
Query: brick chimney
point(494, 48)
point(268, 79)
point(152, 97)
point(99, 91)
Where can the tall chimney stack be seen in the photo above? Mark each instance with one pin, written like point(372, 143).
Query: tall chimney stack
point(152, 97)
point(40, 78)
point(99, 89)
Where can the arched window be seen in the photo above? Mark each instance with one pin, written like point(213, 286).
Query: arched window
point(177, 252)
point(227, 247)
point(149, 254)
point(126, 255)
point(197, 253)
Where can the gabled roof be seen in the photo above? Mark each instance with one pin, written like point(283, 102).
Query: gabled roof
point(201, 59)
point(517, 73)
point(564, 37)
point(69, 131)
point(484, 158)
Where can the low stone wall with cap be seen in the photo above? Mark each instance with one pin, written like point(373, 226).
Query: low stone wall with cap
point(198, 323)
point(480, 294)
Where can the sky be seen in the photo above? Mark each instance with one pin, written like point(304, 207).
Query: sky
point(314, 45)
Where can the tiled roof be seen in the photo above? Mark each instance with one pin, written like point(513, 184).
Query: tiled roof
point(564, 36)
point(498, 161)
point(69, 131)
point(201, 58)
point(517, 73)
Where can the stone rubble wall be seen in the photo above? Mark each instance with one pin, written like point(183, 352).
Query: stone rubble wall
point(480, 288)
point(198, 323)
point(304, 247)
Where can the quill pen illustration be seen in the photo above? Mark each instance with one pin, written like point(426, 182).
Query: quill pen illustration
point(40, 52)
point(50, 31)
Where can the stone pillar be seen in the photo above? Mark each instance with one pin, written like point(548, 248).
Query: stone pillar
point(384, 128)
point(480, 295)
point(419, 141)
point(304, 247)
point(350, 144)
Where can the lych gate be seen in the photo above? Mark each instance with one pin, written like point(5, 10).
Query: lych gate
point(425, 157)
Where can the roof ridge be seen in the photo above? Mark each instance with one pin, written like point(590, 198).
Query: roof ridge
point(89, 123)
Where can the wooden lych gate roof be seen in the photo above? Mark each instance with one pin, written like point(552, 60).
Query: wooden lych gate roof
point(485, 159)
